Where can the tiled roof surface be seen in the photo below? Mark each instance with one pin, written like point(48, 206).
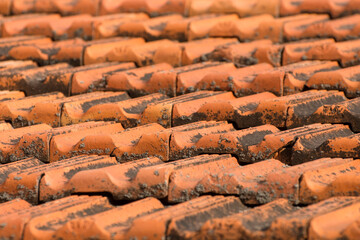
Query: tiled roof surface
point(180, 119)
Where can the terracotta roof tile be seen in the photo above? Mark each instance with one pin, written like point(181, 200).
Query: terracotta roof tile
point(127, 112)
point(282, 183)
point(16, 221)
point(11, 145)
point(55, 6)
point(108, 224)
point(94, 76)
point(287, 111)
point(13, 206)
point(144, 226)
point(342, 223)
point(346, 52)
point(65, 145)
point(37, 144)
point(36, 227)
point(41, 180)
point(149, 29)
point(243, 9)
point(294, 225)
point(109, 25)
point(14, 110)
point(16, 25)
point(341, 112)
point(340, 180)
point(345, 79)
point(151, 7)
point(109, 51)
point(28, 79)
point(144, 80)
point(7, 44)
point(250, 224)
point(164, 112)
point(334, 8)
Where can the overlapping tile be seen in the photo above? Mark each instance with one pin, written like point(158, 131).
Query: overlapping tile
point(38, 181)
point(158, 90)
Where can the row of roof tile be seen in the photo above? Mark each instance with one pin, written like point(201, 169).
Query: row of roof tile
point(175, 27)
point(163, 78)
point(264, 108)
point(185, 7)
point(178, 181)
point(81, 217)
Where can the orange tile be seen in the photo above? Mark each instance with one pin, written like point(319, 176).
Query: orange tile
point(297, 145)
point(10, 95)
point(154, 225)
point(341, 112)
point(164, 111)
point(346, 52)
point(231, 180)
point(61, 80)
point(341, 29)
point(223, 110)
point(296, 79)
point(5, 7)
point(110, 224)
point(29, 78)
point(203, 76)
point(161, 51)
point(339, 180)
point(219, 138)
point(178, 227)
point(334, 8)
point(55, 176)
point(50, 6)
point(127, 112)
point(38, 144)
point(345, 79)
point(243, 9)
point(8, 43)
point(15, 25)
point(144, 80)
point(16, 221)
point(242, 53)
point(204, 27)
point(199, 50)
point(95, 77)
point(58, 29)
point(250, 224)
point(108, 25)
point(12, 206)
point(122, 181)
point(282, 183)
point(11, 148)
point(288, 111)
point(288, 53)
point(110, 51)
point(45, 54)
point(14, 64)
point(294, 225)
point(342, 223)
point(7, 169)
point(75, 107)
point(64, 146)
point(302, 29)
point(347, 146)
point(17, 110)
point(39, 181)
point(45, 225)
point(153, 8)
point(149, 29)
